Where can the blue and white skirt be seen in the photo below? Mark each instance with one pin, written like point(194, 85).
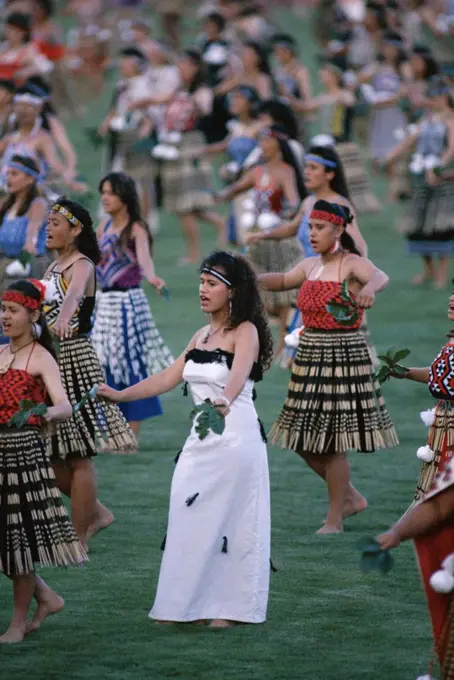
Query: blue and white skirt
point(129, 346)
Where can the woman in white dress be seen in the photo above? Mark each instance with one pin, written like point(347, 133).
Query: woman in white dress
point(216, 559)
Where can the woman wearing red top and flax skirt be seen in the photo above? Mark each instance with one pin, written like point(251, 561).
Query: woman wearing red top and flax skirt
point(34, 526)
point(334, 402)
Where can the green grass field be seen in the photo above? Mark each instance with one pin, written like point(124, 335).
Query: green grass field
point(327, 620)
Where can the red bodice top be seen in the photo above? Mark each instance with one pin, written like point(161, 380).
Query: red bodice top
point(313, 297)
point(441, 374)
point(17, 385)
point(181, 113)
point(269, 196)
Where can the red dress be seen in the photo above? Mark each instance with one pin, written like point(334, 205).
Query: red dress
point(313, 297)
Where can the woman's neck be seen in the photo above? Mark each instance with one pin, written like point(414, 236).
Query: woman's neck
point(120, 219)
point(16, 344)
point(19, 199)
point(329, 256)
point(333, 89)
point(219, 318)
point(25, 129)
point(66, 253)
point(245, 118)
point(325, 193)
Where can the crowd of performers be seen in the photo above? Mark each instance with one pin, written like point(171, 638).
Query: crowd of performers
point(74, 314)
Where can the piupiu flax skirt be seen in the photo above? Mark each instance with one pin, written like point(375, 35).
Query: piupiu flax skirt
point(275, 256)
point(334, 403)
point(441, 441)
point(34, 525)
point(99, 425)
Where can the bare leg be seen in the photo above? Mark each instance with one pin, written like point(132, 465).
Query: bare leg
point(23, 587)
point(191, 232)
point(221, 623)
point(441, 273)
point(338, 481)
point(171, 27)
point(428, 271)
point(135, 427)
point(102, 517)
point(355, 502)
point(49, 602)
point(216, 221)
point(83, 497)
point(283, 318)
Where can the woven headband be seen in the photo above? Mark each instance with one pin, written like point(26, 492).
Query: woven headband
point(26, 300)
point(14, 165)
point(319, 159)
point(217, 275)
point(267, 132)
point(67, 215)
point(327, 217)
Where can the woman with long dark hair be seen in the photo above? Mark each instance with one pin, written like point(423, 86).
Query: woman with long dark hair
point(279, 189)
point(69, 309)
point(219, 518)
point(35, 527)
point(23, 215)
point(323, 417)
point(125, 337)
point(256, 72)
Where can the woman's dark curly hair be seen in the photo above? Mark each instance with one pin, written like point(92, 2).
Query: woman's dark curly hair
point(246, 301)
point(87, 242)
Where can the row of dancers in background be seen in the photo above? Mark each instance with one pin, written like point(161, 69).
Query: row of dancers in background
point(221, 363)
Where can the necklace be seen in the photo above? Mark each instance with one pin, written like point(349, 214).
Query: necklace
point(8, 360)
point(211, 331)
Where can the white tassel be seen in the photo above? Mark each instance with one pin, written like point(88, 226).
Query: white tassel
point(292, 339)
point(323, 140)
point(442, 581)
point(170, 137)
point(428, 417)
point(248, 204)
point(448, 564)
point(425, 454)
point(165, 152)
point(268, 220)
point(50, 293)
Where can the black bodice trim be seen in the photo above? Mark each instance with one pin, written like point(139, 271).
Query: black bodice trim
point(211, 356)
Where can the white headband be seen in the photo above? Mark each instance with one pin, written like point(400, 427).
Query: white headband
point(28, 99)
point(217, 275)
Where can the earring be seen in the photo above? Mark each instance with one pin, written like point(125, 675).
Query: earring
point(36, 330)
point(230, 306)
point(335, 247)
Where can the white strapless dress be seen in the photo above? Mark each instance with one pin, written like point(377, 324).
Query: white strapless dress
point(216, 561)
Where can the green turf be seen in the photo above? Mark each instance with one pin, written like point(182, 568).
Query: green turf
point(327, 621)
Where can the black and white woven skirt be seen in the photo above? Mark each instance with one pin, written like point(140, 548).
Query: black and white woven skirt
point(34, 526)
point(334, 403)
point(99, 425)
point(358, 179)
point(275, 256)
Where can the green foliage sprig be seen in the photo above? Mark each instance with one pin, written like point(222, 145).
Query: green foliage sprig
point(208, 419)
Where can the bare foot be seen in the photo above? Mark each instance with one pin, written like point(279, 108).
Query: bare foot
point(221, 623)
point(439, 285)
point(12, 636)
point(200, 622)
point(419, 280)
point(186, 261)
point(52, 604)
point(354, 505)
point(329, 529)
point(165, 623)
point(103, 520)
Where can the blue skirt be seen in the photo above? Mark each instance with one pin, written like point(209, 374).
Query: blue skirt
point(139, 410)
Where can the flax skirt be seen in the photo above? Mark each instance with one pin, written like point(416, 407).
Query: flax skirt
point(441, 441)
point(99, 425)
point(334, 403)
point(34, 526)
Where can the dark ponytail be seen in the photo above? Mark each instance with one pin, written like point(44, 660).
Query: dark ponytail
point(87, 242)
point(346, 240)
point(27, 288)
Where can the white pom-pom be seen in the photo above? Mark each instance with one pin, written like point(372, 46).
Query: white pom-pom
point(425, 454)
point(412, 129)
point(216, 55)
point(268, 220)
point(428, 417)
point(323, 140)
point(248, 204)
point(16, 269)
point(293, 339)
point(117, 124)
point(399, 134)
point(425, 677)
point(165, 152)
point(431, 162)
point(247, 220)
point(448, 564)
point(442, 581)
point(417, 163)
point(50, 293)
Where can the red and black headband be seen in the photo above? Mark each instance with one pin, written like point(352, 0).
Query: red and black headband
point(26, 301)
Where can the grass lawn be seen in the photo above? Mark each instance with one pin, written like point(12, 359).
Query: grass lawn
point(327, 620)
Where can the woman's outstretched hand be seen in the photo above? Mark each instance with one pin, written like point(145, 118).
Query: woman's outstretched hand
point(108, 393)
point(389, 539)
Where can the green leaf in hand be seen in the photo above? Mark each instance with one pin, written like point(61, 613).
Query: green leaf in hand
point(26, 410)
point(25, 258)
point(373, 558)
point(208, 418)
point(391, 366)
